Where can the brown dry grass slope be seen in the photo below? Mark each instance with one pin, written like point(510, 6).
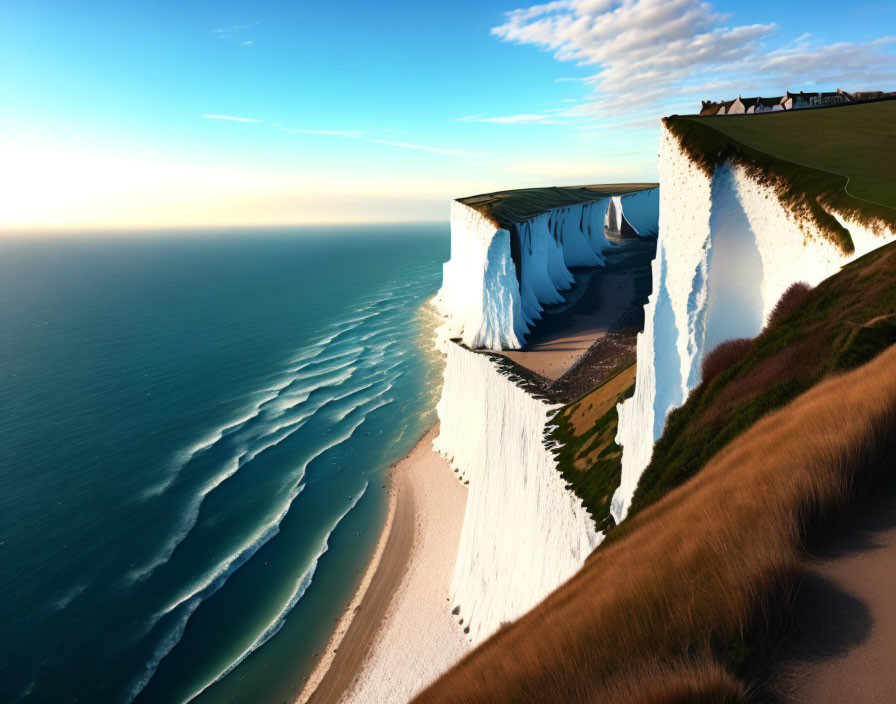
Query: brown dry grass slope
point(662, 614)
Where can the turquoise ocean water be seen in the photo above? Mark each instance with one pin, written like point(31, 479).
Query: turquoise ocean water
point(195, 431)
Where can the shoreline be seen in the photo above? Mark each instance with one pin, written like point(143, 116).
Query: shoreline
point(406, 575)
point(313, 689)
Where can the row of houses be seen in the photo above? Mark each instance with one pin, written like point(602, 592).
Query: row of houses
point(791, 101)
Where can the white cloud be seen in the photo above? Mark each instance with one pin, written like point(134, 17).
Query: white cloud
point(231, 118)
point(246, 43)
point(659, 56)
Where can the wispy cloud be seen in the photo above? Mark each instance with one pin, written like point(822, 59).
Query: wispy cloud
point(236, 32)
point(418, 147)
point(655, 56)
point(235, 28)
point(346, 134)
point(329, 133)
point(232, 118)
point(524, 119)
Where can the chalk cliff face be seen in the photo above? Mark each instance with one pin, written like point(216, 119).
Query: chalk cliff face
point(727, 250)
point(641, 211)
point(498, 279)
point(524, 534)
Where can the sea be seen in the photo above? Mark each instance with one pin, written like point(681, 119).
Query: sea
point(196, 430)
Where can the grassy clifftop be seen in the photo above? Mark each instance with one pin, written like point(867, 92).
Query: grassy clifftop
point(506, 207)
point(818, 161)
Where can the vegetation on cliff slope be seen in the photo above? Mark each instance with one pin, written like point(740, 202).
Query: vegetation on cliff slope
point(588, 458)
point(688, 604)
point(817, 161)
point(687, 600)
point(842, 323)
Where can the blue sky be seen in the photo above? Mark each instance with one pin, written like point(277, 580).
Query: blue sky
point(362, 111)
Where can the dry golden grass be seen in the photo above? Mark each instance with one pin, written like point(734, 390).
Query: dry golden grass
point(585, 413)
point(702, 580)
point(589, 459)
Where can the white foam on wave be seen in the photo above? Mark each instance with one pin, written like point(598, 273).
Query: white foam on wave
point(188, 522)
point(218, 576)
point(310, 369)
point(162, 650)
point(182, 458)
point(317, 373)
point(379, 351)
point(293, 479)
point(389, 297)
point(252, 544)
point(340, 416)
point(352, 392)
point(292, 398)
point(69, 596)
point(276, 436)
point(337, 354)
point(245, 453)
point(373, 314)
point(298, 592)
point(397, 364)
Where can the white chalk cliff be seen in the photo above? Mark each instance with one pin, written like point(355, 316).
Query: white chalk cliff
point(489, 300)
point(727, 250)
point(524, 534)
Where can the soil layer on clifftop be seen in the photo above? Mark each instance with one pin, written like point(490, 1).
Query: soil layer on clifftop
point(505, 208)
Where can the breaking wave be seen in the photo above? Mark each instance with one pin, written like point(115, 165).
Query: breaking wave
point(298, 592)
point(337, 381)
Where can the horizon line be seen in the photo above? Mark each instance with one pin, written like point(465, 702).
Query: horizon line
point(108, 229)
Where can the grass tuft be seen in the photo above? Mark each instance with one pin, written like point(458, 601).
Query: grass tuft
point(723, 357)
point(790, 302)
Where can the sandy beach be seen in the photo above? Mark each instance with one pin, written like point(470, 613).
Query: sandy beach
point(398, 634)
point(551, 353)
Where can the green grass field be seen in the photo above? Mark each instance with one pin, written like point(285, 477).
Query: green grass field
point(506, 207)
point(817, 161)
point(858, 141)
